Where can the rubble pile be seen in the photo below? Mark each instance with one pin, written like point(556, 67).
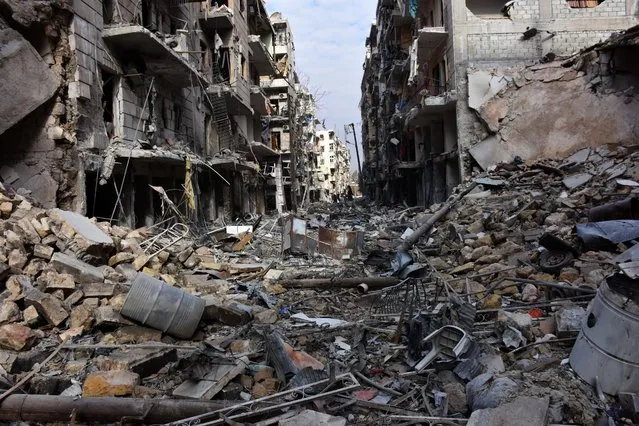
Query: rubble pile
point(326, 320)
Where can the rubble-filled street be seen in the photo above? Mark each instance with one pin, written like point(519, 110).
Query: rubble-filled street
point(183, 240)
point(473, 324)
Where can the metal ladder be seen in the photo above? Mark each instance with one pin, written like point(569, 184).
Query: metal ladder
point(220, 112)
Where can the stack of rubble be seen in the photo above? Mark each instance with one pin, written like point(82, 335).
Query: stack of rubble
point(473, 324)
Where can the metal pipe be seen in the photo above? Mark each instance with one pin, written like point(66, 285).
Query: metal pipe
point(371, 282)
point(53, 408)
point(415, 236)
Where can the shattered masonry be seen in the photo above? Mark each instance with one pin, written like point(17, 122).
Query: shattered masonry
point(110, 97)
point(447, 88)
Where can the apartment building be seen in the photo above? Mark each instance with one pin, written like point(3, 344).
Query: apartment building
point(130, 108)
point(331, 167)
point(430, 67)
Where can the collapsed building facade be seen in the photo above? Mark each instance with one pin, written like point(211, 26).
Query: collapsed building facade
point(124, 108)
point(432, 105)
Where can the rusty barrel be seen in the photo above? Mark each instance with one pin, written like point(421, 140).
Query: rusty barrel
point(158, 305)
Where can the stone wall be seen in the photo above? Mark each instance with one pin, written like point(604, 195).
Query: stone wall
point(39, 152)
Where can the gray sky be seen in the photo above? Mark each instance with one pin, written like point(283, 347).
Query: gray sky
point(330, 38)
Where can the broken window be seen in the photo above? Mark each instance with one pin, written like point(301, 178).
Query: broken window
point(108, 90)
point(332, 159)
point(331, 146)
point(583, 4)
point(486, 8)
point(245, 70)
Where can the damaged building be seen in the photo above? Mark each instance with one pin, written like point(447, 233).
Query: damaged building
point(331, 167)
point(447, 87)
point(126, 109)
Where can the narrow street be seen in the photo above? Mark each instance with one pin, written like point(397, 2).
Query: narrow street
point(185, 240)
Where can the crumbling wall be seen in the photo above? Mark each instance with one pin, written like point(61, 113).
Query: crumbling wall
point(551, 110)
point(37, 139)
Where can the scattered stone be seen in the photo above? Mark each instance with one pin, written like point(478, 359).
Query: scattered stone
point(30, 316)
point(108, 317)
point(82, 272)
point(81, 316)
point(488, 391)
point(74, 298)
point(16, 337)
point(143, 362)
point(42, 251)
point(48, 306)
point(121, 257)
point(137, 334)
point(110, 383)
point(98, 290)
point(568, 321)
point(226, 312)
point(269, 316)
point(522, 411)
point(9, 312)
point(463, 269)
point(17, 259)
point(480, 252)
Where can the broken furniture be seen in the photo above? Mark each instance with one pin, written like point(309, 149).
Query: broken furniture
point(449, 341)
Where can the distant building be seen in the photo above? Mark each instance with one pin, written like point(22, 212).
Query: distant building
point(332, 175)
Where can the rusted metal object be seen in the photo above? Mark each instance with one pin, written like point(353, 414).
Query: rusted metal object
point(606, 349)
point(619, 210)
point(337, 244)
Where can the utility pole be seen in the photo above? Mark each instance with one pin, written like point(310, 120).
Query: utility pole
point(359, 166)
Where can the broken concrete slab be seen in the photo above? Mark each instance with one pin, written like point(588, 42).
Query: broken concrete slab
point(522, 411)
point(226, 312)
point(108, 317)
point(313, 418)
point(213, 382)
point(47, 305)
point(577, 180)
point(81, 271)
point(143, 362)
point(88, 240)
point(27, 80)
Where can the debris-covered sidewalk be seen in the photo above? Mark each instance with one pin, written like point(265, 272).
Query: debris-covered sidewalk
point(513, 303)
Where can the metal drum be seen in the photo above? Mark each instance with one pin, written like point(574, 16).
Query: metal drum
point(606, 349)
point(158, 305)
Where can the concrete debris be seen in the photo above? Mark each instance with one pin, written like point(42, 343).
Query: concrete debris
point(461, 312)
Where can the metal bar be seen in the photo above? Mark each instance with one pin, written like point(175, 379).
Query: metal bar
point(199, 418)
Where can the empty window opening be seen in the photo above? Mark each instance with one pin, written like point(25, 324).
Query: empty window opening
point(108, 9)
point(584, 4)
point(276, 141)
point(101, 198)
point(486, 8)
point(108, 90)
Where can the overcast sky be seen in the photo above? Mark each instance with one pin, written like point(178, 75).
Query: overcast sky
point(330, 37)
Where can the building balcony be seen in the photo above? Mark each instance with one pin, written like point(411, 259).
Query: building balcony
point(281, 49)
point(259, 101)
point(280, 119)
point(262, 151)
point(428, 40)
point(261, 59)
point(272, 84)
point(159, 58)
point(234, 102)
point(215, 19)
